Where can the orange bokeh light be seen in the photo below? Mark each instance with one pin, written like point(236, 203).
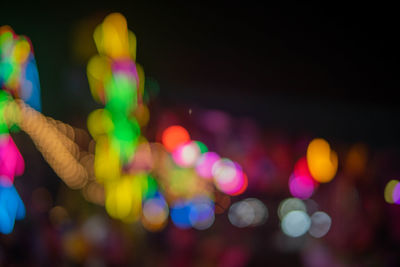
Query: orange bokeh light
point(174, 136)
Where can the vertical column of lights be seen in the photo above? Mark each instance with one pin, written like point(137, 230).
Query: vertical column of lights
point(117, 82)
point(18, 77)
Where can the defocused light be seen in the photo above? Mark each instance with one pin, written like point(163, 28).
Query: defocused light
point(290, 204)
point(186, 154)
point(155, 214)
point(301, 186)
point(174, 136)
point(228, 177)
point(322, 161)
point(260, 211)
point(205, 164)
point(241, 214)
point(320, 224)
point(11, 208)
point(296, 223)
point(180, 215)
point(389, 190)
point(201, 215)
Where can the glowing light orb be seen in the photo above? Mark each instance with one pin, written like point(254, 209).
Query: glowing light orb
point(389, 190)
point(201, 215)
point(320, 224)
point(248, 212)
point(290, 204)
point(241, 214)
point(186, 155)
point(180, 215)
point(296, 223)
point(155, 214)
point(228, 177)
point(321, 160)
point(301, 186)
point(205, 164)
point(174, 136)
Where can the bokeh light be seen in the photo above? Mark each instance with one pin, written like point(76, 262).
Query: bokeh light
point(174, 136)
point(320, 224)
point(295, 223)
point(321, 160)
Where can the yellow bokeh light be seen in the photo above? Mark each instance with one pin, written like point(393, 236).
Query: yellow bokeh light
point(388, 194)
point(321, 160)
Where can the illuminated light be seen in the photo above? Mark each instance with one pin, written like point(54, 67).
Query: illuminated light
point(149, 187)
point(112, 38)
point(301, 186)
point(186, 155)
point(142, 115)
point(228, 177)
point(155, 214)
point(174, 136)
point(290, 204)
point(47, 139)
point(389, 189)
point(295, 223)
point(180, 215)
point(201, 216)
point(124, 199)
point(321, 160)
point(106, 162)
point(143, 158)
point(11, 161)
point(21, 51)
point(203, 148)
point(205, 164)
point(183, 183)
point(260, 211)
point(241, 187)
point(98, 72)
point(94, 192)
point(11, 208)
point(241, 214)
point(320, 224)
point(224, 170)
point(121, 94)
point(396, 194)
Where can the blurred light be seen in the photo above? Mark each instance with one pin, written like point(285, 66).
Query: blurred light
point(11, 161)
point(322, 161)
point(180, 215)
point(301, 186)
point(290, 204)
point(174, 136)
point(320, 224)
point(228, 177)
point(205, 164)
point(389, 190)
point(186, 154)
point(201, 215)
point(260, 211)
point(11, 208)
point(248, 212)
point(241, 214)
point(295, 223)
point(155, 214)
